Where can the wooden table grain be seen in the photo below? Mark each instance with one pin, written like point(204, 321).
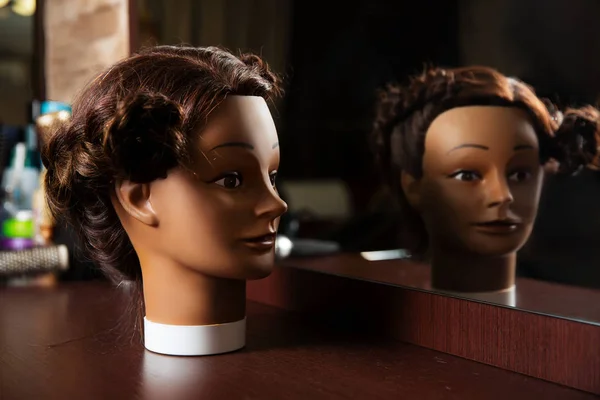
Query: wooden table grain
point(564, 301)
point(67, 343)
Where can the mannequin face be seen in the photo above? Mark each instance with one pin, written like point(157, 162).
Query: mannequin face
point(481, 180)
point(220, 218)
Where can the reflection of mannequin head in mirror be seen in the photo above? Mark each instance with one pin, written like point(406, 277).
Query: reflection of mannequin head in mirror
point(168, 170)
point(464, 150)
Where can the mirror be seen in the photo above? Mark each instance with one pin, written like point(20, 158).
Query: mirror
point(334, 60)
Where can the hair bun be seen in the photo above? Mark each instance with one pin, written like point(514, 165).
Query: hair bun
point(144, 133)
point(576, 139)
point(397, 102)
point(433, 85)
point(254, 61)
point(261, 67)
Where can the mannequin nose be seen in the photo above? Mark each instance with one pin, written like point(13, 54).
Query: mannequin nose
point(499, 192)
point(272, 206)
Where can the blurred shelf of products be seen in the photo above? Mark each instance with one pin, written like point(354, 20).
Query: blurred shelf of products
point(28, 255)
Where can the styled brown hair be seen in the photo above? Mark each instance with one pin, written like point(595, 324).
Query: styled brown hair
point(404, 114)
point(136, 121)
point(577, 139)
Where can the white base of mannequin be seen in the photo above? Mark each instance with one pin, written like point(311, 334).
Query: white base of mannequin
point(201, 340)
point(505, 297)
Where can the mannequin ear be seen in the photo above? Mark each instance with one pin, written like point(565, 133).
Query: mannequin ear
point(411, 188)
point(135, 200)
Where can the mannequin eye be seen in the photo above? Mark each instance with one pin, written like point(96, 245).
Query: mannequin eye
point(466, 176)
point(519, 176)
point(273, 177)
point(230, 181)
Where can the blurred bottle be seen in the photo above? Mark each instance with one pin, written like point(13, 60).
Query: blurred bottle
point(18, 231)
point(21, 178)
point(44, 222)
point(51, 115)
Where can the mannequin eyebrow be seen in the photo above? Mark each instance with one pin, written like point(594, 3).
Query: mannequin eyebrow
point(241, 144)
point(482, 147)
point(234, 144)
point(476, 146)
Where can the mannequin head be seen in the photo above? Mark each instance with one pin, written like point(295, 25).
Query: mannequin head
point(481, 180)
point(209, 214)
point(464, 151)
point(167, 169)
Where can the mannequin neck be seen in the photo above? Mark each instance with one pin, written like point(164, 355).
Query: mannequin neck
point(468, 272)
point(176, 295)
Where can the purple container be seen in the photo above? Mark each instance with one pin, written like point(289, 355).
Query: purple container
point(16, 243)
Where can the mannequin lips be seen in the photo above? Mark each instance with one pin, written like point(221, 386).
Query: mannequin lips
point(498, 226)
point(261, 243)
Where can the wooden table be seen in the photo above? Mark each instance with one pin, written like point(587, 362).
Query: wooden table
point(66, 343)
point(538, 296)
